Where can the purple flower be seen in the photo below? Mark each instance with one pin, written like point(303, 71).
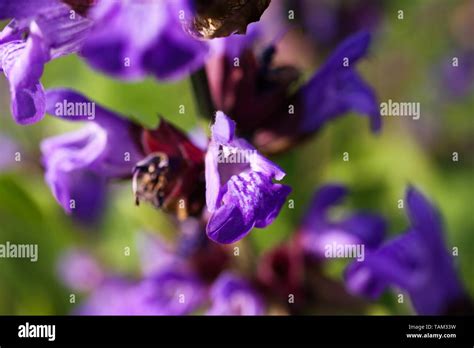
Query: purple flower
point(168, 287)
point(260, 97)
point(24, 8)
point(115, 296)
point(240, 193)
point(173, 292)
point(332, 92)
point(78, 164)
point(45, 31)
point(166, 168)
point(231, 295)
point(79, 271)
point(326, 22)
point(416, 262)
point(318, 232)
point(7, 155)
point(167, 293)
point(155, 254)
point(457, 81)
point(132, 39)
point(337, 88)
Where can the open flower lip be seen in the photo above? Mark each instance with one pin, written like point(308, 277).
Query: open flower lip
point(242, 195)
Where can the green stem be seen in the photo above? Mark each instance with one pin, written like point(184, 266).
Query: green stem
point(202, 94)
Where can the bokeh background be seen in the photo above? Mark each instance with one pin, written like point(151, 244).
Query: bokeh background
point(406, 63)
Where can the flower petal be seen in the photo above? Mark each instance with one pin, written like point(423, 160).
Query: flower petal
point(22, 63)
point(169, 293)
point(416, 262)
point(122, 148)
point(251, 200)
point(24, 8)
point(79, 270)
point(327, 196)
point(337, 88)
point(213, 181)
point(152, 41)
point(223, 129)
point(231, 295)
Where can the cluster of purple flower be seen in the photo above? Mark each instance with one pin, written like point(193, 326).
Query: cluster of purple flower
point(226, 187)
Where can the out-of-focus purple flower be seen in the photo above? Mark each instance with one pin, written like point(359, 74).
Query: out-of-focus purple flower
point(416, 262)
point(172, 292)
point(43, 31)
point(25, 8)
point(169, 286)
point(134, 38)
point(79, 163)
point(337, 88)
point(318, 232)
point(457, 81)
point(167, 169)
point(259, 97)
point(231, 295)
point(115, 296)
point(155, 254)
point(327, 22)
point(79, 271)
point(167, 293)
point(7, 155)
point(240, 193)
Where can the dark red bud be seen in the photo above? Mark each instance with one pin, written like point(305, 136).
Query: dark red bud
point(171, 177)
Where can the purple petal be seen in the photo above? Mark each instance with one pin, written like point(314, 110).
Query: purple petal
point(416, 262)
point(234, 45)
point(122, 148)
point(155, 254)
point(51, 33)
point(458, 81)
point(327, 196)
point(369, 229)
point(425, 218)
point(79, 270)
point(337, 89)
point(223, 129)
point(355, 47)
point(61, 32)
point(7, 155)
point(251, 200)
point(112, 45)
point(152, 41)
point(169, 293)
point(240, 194)
point(80, 193)
point(113, 297)
point(175, 54)
point(69, 160)
point(24, 8)
point(231, 295)
point(318, 231)
point(213, 182)
point(227, 224)
point(22, 63)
